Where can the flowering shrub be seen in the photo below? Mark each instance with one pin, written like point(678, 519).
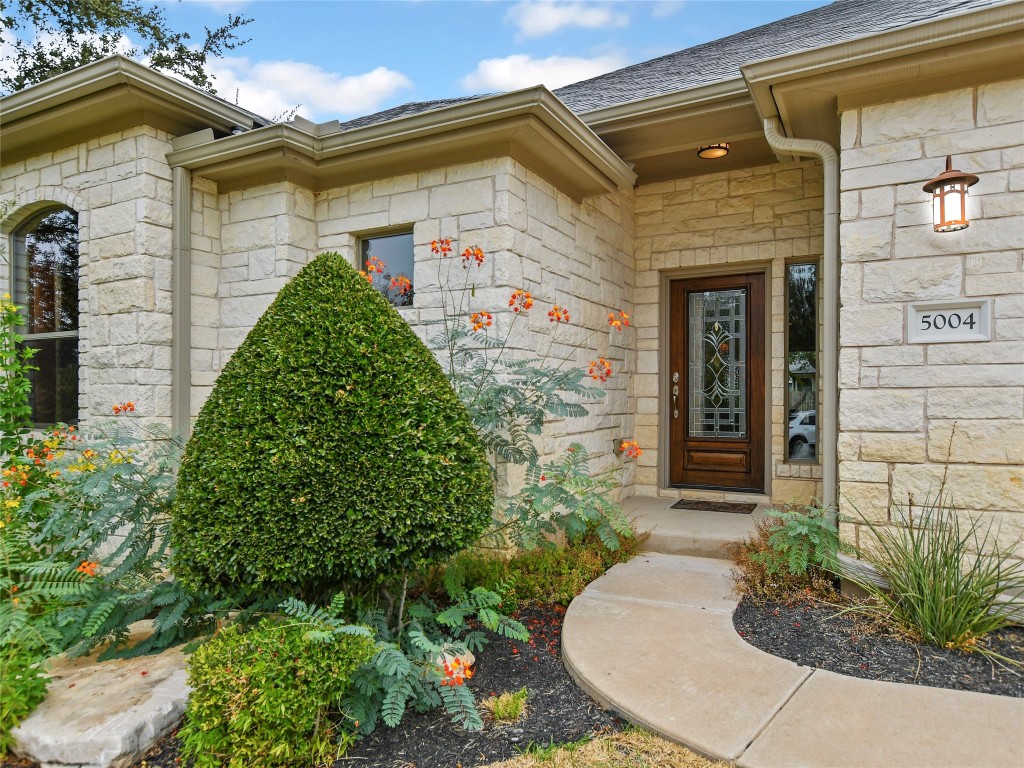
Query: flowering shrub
point(509, 402)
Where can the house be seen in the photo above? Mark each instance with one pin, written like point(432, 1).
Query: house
point(755, 204)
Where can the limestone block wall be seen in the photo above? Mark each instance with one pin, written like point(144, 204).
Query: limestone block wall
point(908, 409)
point(120, 185)
point(763, 218)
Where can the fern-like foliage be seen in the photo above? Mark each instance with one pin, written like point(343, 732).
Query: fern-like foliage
point(800, 538)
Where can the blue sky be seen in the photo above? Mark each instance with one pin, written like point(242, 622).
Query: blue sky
point(344, 59)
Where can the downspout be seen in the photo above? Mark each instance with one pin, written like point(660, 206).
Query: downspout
point(181, 301)
point(828, 424)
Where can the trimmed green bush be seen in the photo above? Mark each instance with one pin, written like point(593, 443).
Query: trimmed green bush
point(264, 697)
point(331, 450)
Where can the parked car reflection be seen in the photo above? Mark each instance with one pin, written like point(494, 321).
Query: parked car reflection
point(803, 434)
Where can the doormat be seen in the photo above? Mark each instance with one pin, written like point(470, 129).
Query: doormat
point(740, 508)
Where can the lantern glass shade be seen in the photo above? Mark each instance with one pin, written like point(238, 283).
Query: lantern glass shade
point(713, 151)
point(949, 207)
point(949, 198)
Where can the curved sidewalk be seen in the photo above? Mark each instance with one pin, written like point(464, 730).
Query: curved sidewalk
point(653, 640)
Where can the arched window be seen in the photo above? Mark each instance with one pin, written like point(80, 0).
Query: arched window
point(45, 283)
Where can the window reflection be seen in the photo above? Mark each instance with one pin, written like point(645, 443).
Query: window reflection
point(46, 285)
point(802, 360)
point(389, 261)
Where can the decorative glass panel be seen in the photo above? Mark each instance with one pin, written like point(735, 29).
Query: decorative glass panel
point(718, 363)
point(802, 360)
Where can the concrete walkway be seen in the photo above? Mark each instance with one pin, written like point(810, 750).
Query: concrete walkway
point(653, 640)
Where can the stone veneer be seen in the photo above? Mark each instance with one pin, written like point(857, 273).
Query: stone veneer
point(900, 402)
point(761, 218)
point(120, 185)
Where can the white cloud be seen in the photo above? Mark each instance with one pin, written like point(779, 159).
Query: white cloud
point(270, 88)
point(536, 18)
point(522, 71)
point(665, 8)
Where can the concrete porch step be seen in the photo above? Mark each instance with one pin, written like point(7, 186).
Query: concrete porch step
point(689, 531)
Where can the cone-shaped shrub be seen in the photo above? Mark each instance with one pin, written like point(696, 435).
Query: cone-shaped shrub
point(331, 449)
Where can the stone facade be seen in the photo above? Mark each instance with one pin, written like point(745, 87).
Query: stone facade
point(120, 186)
point(763, 218)
point(912, 414)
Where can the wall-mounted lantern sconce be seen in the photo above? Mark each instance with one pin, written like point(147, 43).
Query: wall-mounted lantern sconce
point(713, 151)
point(949, 198)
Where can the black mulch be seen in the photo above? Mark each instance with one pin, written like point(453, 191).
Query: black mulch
point(813, 635)
point(558, 711)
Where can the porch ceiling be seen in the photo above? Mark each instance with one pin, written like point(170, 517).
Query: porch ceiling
point(660, 137)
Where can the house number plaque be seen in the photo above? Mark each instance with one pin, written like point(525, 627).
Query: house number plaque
point(933, 322)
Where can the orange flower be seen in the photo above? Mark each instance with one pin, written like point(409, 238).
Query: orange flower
point(456, 673)
point(88, 568)
point(600, 369)
point(373, 264)
point(402, 284)
point(472, 254)
point(441, 247)
point(631, 449)
point(520, 301)
point(368, 278)
point(120, 408)
point(618, 322)
point(481, 320)
point(558, 314)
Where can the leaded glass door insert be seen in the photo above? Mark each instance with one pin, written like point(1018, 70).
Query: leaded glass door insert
point(718, 363)
point(715, 384)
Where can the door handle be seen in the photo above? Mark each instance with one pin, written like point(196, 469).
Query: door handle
point(675, 394)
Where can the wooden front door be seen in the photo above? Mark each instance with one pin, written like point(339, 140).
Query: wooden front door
point(716, 382)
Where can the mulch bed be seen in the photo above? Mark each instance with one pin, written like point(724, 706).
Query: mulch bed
point(558, 711)
point(810, 633)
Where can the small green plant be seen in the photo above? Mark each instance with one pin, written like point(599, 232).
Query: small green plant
point(507, 707)
point(265, 696)
point(422, 662)
point(762, 583)
point(15, 412)
point(800, 538)
point(950, 580)
point(22, 687)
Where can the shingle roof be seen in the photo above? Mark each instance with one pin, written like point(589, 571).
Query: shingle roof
point(404, 110)
point(721, 59)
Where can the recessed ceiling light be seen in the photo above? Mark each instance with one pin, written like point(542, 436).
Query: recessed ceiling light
point(713, 151)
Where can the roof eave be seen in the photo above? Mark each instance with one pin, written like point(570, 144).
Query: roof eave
point(485, 127)
point(763, 77)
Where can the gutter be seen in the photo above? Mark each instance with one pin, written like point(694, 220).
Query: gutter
point(181, 302)
point(830, 280)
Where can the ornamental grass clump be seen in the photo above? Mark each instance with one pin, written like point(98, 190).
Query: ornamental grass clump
point(331, 452)
point(950, 581)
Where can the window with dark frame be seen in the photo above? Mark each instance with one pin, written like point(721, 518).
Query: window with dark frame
point(388, 261)
point(802, 361)
point(45, 283)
